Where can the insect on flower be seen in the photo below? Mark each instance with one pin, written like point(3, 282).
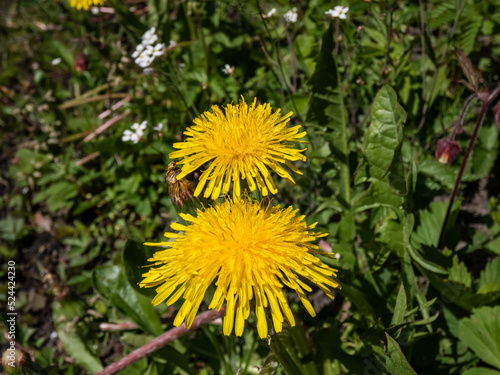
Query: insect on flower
point(181, 190)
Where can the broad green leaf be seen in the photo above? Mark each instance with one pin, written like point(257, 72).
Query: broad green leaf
point(396, 362)
point(64, 312)
point(385, 134)
point(400, 307)
point(135, 258)
point(481, 333)
point(112, 284)
point(378, 194)
point(489, 279)
point(445, 175)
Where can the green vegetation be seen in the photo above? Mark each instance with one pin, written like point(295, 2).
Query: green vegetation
point(418, 240)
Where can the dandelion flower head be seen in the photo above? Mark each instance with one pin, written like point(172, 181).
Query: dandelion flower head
point(241, 142)
point(84, 4)
point(251, 252)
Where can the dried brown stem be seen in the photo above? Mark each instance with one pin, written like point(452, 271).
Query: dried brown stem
point(162, 340)
point(106, 125)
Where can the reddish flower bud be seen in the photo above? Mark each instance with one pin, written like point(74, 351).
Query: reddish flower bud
point(80, 62)
point(447, 150)
point(496, 113)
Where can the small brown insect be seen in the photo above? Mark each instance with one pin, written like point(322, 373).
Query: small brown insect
point(181, 190)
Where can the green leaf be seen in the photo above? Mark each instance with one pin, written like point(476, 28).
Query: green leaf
point(111, 283)
point(63, 313)
point(459, 273)
point(480, 371)
point(135, 257)
point(485, 152)
point(471, 26)
point(400, 307)
point(431, 221)
point(489, 280)
point(379, 194)
point(481, 333)
point(385, 134)
point(458, 293)
point(428, 265)
point(396, 362)
point(445, 175)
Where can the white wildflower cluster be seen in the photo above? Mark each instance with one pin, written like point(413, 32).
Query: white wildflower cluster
point(291, 16)
point(338, 12)
point(147, 50)
point(137, 133)
point(228, 69)
point(270, 13)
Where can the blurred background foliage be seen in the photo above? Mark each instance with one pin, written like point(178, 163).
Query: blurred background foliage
point(375, 92)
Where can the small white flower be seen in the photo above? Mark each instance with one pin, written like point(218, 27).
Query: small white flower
point(56, 61)
point(181, 66)
point(138, 50)
point(172, 44)
point(228, 69)
point(156, 50)
point(148, 71)
point(149, 37)
point(127, 135)
point(270, 13)
point(135, 137)
point(144, 60)
point(95, 10)
point(339, 11)
point(139, 128)
point(291, 15)
point(158, 127)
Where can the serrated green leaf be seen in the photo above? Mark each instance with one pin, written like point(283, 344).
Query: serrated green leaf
point(430, 222)
point(458, 293)
point(471, 26)
point(489, 279)
point(481, 333)
point(485, 152)
point(385, 134)
point(396, 362)
point(443, 13)
point(459, 273)
point(112, 284)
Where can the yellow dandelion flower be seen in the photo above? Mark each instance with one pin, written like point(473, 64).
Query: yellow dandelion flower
point(241, 141)
point(84, 4)
point(251, 252)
